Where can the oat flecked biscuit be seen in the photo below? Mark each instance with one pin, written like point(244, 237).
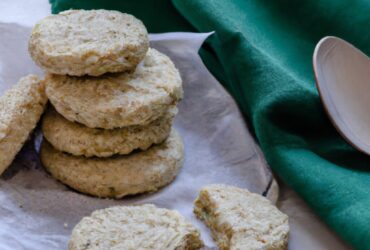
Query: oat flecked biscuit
point(77, 139)
point(115, 177)
point(143, 227)
point(20, 109)
point(240, 220)
point(118, 100)
point(88, 42)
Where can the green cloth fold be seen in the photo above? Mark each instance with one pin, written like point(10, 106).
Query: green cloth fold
point(262, 52)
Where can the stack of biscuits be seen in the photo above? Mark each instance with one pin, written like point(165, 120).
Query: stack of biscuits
point(108, 131)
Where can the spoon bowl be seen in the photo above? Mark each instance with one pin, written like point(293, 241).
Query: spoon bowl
point(342, 75)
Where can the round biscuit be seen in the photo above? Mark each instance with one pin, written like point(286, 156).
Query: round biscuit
point(144, 227)
point(79, 140)
point(20, 109)
point(118, 100)
point(88, 42)
point(118, 176)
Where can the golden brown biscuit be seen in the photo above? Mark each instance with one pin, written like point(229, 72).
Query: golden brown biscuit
point(118, 100)
point(144, 227)
point(115, 177)
point(239, 219)
point(77, 139)
point(88, 42)
point(20, 109)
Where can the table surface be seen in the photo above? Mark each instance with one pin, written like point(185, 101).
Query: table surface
point(306, 228)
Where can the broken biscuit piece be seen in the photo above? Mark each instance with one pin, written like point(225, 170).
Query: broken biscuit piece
point(240, 219)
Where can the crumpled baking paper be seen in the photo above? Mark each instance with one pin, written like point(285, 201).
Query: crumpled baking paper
point(38, 212)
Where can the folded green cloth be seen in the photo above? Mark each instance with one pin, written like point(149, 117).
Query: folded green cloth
point(262, 52)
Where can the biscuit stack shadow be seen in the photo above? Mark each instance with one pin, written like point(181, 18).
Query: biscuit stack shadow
point(108, 131)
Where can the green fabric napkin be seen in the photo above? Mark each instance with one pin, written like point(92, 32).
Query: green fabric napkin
point(262, 53)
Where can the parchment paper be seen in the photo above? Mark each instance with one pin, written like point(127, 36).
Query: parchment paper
point(37, 212)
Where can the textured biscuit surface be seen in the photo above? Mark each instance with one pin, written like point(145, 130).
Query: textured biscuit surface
point(115, 177)
point(118, 100)
point(20, 109)
point(241, 220)
point(77, 139)
point(144, 227)
point(88, 42)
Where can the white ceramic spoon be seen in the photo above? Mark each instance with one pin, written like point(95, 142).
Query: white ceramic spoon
point(343, 79)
